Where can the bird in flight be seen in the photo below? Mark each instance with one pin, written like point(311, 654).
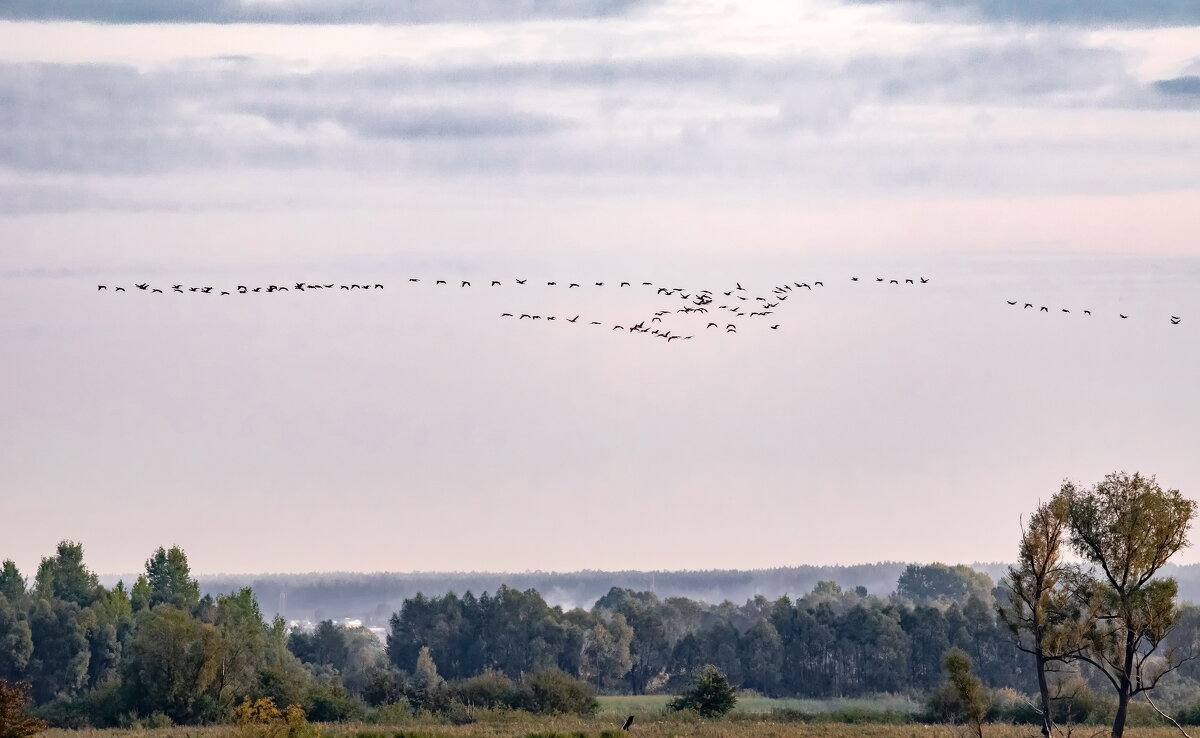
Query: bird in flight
point(908, 281)
point(466, 283)
point(1028, 305)
point(100, 287)
point(1123, 317)
point(924, 280)
point(521, 281)
point(494, 284)
point(775, 327)
point(854, 279)
point(411, 279)
point(572, 320)
point(572, 284)
point(624, 284)
point(1045, 309)
point(1012, 302)
point(440, 281)
point(1175, 321)
point(142, 286)
point(119, 289)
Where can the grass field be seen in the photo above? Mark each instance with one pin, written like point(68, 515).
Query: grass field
point(656, 703)
point(599, 728)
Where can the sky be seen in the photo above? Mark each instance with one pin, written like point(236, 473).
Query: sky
point(1029, 152)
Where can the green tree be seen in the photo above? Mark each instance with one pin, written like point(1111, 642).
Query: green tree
point(12, 584)
point(16, 641)
point(970, 699)
point(170, 579)
point(929, 583)
point(710, 695)
point(1127, 527)
point(15, 721)
point(68, 578)
point(172, 665)
point(1040, 611)
point(425, 673)
point(139, 596)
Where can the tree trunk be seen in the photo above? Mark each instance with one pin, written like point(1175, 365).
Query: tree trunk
point(1118, 728)
point(1125, 686)
point(1044, 695)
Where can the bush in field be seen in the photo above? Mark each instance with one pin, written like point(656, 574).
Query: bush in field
point(262, 719)
point(709, 696)
point(555, 692)
point(490, 689)
point(15, 722)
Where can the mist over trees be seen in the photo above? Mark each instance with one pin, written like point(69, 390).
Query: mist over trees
point(1085, 637)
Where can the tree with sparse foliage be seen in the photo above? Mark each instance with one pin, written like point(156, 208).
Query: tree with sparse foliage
point(1041, 612)
point(1127, 527)
point(710, 695)
point(15, 721)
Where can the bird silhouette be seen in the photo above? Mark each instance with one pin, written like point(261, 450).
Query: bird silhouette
point(879, 279)
point(299, 286)
point(1045, 309)
point(1175, 321)
point(924, 280)
point(440, 281)
point(524, 315)
point(599, 284)
point(551, 284)
point(379, 286)
point(712, 325)
point(156, 290)
point(100, 287)
point(819, 284)
point(1123, 317)
point(119, 289)
point(411, 279)
point(506, 315)
point(494, 283)
point(193, 289)
point(1012, 302)
point(572, 320)
point(895, 281)
point(1087, 312)
point(908, 281)
point(775, 327)
point(1176, 317)
point(739, 286)
point(1065, 310)
point(854, 279)
point(521, 281)
point(177, 287)
point(572, 284)
point(223, 292)
point(142, 286)
point(595, 322)
point(466, 283)
point(1028, 305)
point(624, 284)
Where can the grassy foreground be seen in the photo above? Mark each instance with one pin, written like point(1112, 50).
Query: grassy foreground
point(656, 703)
point(599, 727)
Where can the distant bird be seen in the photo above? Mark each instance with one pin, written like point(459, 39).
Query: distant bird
point(1065, 310)
point(739, 286)
point(572, 320)
point(177, 287)
point(550, 317)
point(100, 287)
point(908, 281)
point(259, 289)
point(193, 289)
point(379, 286)
point(895, 281)
point(924, 280)
point(803, 284)
point(879, 279)
point(1028, 305)
point(595, 322)
point(1045, 309)
point(494, 283)
point(524, 315)
point(618, 328)
point(411, 279)
point(119, 289)
point(819, 284)
point(1176, 317)
point(142, 286)
point(299, 286)
point(328, 286)
point(854, 279)
point(223, 292)
point(466, 283)
point(346, 288)
point(647, 284)
point(775, 327)
point(206, 290)
point(506, 315)
point(551, 284)
point(521, 281)
point(1087, 312)
point(1012, 302)
point(157, 290)
point(712, 325)
point(440, 281)
point(1123, 317)
point(1175, 321)
point(599, 284)
point(572, 284)
point(624, 284)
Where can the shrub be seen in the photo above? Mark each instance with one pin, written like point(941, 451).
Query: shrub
point(15, 721)
point(262, 719)
point(710, 695)
point(555, 692)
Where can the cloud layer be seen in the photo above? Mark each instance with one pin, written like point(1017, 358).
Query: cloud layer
point(296, 12)
point(1136, 13)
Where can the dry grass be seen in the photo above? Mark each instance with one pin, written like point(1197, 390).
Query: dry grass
point(565, 727)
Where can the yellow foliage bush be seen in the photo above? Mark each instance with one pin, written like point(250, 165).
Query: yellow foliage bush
point(262, 719)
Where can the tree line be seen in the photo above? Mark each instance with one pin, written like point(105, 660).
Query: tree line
point(92, 654)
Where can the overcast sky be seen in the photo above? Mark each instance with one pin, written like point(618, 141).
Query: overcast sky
point(1036, 152)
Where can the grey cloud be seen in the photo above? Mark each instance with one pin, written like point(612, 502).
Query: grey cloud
point(373, 121)
point(1188, 86)
point(1135, 13)
point(381, 12)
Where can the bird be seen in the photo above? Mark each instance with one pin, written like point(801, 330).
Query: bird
point(506, 315)
point(924, 280)
point(1176, 317)
point(1123, 317)
point(854, 279)
point(572, 320)
point(819, 284)
point(572, 284)
point(740, 287)
point(193, 289)
point(1045, 309)
point(879, 279)
point(599, 284)
point(647, 284)
point(551, 284)
point(177, 287)
point(1175, 321)
point(1012, 302)
point(524, 315)
point(550, 317)
point(223, 292)
point(119, 289)
point(624, 284)
point(100, 287)
point(207, 290)
point(142, 286)
point(1065, 310)
point(466, 283)
point(775, 327)
point(1028, 305)
point(440, 281)
point(595, 322)
point(299, 286)
point(328, 286)
point(157, 290)
point(618, 327)
point(259, 289)
point(379, 286)
point(410, 279)
point(908, 281)
point(1087, 312)
point(712, 325)
point(895, 281)
point(521, 281)
point(494, 283)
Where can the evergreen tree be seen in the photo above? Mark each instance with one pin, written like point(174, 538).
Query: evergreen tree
point(710, 694)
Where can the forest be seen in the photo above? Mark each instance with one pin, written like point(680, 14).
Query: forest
point(1073, 634)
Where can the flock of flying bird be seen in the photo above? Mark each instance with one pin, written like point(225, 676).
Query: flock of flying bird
point(739, 305)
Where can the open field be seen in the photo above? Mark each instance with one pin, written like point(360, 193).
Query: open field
point(600, 728)
point(656, 703)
